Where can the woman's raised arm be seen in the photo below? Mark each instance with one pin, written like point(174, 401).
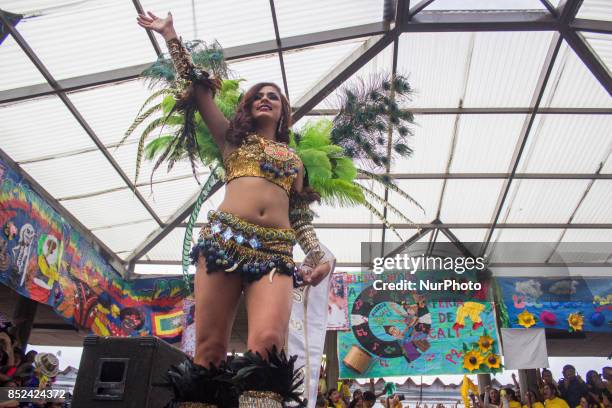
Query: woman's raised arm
point(212, 116)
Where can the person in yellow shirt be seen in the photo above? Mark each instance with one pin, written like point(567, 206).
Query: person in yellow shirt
point(335, 400)
point(531, 401)
point(509, 399)
point(551, 395)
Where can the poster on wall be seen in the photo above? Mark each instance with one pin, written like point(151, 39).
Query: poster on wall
point(402, 331)
point(569, 303)
point(43, 258)
point(337, 309)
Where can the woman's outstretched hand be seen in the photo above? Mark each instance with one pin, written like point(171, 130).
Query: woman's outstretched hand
point(163, 26)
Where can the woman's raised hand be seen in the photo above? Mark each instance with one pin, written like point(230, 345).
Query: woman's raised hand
point(163, 26)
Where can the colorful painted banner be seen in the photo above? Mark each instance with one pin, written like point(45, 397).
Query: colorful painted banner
point(337, 306)
point(43, 258)
point(565, 303)
point(405, 332)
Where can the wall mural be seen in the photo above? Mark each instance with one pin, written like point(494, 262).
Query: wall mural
point(568, 303)
point(43, 258)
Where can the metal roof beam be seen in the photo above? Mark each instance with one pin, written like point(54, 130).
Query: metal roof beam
point(441, 21)
point(592, 26)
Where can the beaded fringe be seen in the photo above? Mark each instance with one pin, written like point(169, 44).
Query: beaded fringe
point(260, 399)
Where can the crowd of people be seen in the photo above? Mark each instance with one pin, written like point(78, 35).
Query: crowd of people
point(571, 391)
point(31, 369)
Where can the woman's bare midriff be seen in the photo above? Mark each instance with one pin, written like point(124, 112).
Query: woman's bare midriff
point(258, 201)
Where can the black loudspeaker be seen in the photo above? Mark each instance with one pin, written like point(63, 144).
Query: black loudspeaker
point(123, 372)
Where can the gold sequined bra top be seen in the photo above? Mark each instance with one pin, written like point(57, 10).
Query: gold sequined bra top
point(261, 157)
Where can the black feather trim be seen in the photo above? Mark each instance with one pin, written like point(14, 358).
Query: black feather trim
point(276, 374)
point(195, 383)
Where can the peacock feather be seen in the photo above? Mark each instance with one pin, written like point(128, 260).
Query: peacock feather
point(369, 112)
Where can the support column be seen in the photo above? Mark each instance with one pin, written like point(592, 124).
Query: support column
point(332, 370)
point(527, 380)
point(23, 319)
point(483, 381)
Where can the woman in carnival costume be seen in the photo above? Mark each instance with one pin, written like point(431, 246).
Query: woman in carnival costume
point(247, 245)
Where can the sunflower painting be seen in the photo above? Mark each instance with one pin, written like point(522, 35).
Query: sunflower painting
point(472, 360)
point(526, 319)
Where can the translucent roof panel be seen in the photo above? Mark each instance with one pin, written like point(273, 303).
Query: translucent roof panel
point(95, 211)
point(111, 109)
point(86, 43)
point(485, 143)
point(296, 17)
point(334, 214)
point(345, 243)
point(597, 205)
point(436, 66)
point(126, 158)
point(504, 68)
point(470, 234)
point(304, 68)
point(484, 5)
point(572, 85)
point(522, 254)
point(567, 144)
point(469, 200)
point(262, 69)
point(595, 10)
point(542, 201)
point(588, 235)
point(431, 144)
point(380, 63)
point(75, 175)
point(168, 197)
point(40, 128)
point(425, 192)
point(231, 23)
point(169, 248)
point(21, 71)
point(124, 239)
point(602, 45)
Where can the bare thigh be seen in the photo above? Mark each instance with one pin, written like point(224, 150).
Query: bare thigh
point(216, 301)
point(268, 308)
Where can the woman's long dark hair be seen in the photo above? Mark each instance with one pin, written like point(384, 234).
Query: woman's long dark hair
point(243, 122)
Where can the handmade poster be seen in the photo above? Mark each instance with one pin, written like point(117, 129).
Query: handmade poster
point(415, 332)
point(569, 303)
point(337, 308)
point(43, 258)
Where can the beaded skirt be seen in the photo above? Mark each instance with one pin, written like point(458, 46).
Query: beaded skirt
point(229, 243)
